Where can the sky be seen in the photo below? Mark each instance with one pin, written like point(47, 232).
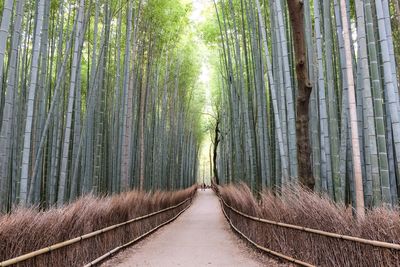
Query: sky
point(198, 7)
point(197, 17)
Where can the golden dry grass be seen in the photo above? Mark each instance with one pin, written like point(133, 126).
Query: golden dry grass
point(301, 207)
point(26, 230)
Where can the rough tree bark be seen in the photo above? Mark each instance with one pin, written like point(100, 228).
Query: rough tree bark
point(296, 13)
point(215, 148)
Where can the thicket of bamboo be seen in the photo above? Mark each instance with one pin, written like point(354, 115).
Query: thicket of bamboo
point(26, 230)
point(96, 96)
point(298, 206)
point(354, 127)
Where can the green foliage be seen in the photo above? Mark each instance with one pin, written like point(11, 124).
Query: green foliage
point(165, 19)
point(210, 31)
point(54, 6)
point(395, 19)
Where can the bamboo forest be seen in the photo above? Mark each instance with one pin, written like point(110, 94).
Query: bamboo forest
point(119, 115)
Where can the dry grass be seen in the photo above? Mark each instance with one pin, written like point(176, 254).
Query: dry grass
point(301, 207)
point(26, 230)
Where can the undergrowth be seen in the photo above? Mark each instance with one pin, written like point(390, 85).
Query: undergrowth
point(298, 206)
point(26, 230)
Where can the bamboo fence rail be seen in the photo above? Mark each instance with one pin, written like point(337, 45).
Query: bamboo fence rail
point(277, 254)
point(113, 251)
point(374, 243)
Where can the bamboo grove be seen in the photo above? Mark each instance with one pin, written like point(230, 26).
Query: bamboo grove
point(257, 106)
point(96, 97)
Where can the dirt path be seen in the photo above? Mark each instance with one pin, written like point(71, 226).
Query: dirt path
point(199, 237)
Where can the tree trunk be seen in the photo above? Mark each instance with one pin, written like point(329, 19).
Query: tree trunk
point(216, 141)
point(296, 11)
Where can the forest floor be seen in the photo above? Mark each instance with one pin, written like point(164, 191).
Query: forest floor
point(201, 236)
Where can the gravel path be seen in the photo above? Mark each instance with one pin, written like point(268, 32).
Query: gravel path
point(201, 236)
